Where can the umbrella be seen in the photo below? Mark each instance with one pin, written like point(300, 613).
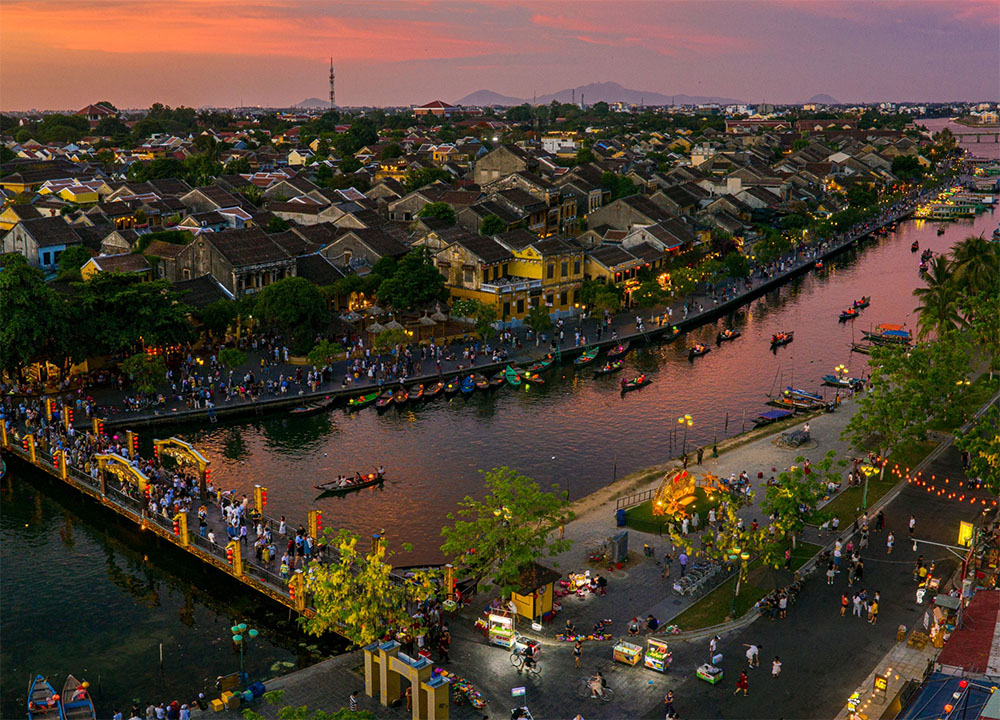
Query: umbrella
point(375, 328)
point(439, 316)
point(424, 320)
point(350, 317)
point(393, 325)
point(375, 310)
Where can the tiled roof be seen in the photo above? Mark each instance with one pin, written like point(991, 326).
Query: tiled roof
point(317, 270)
point(200, 292)
point(48, 231)
point(161, 249)
point(126, 262)
point(246, 247)
point(485, 248)
point(383, 244)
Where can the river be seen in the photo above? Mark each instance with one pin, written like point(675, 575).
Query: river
point(77, 599)
point(983, 149)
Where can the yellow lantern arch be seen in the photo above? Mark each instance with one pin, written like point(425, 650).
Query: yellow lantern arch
point(121, 468)
point(183, 453)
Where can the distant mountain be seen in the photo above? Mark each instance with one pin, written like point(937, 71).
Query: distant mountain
point(488, 97)
point(822, 99)
point(612, 92)
point(311, 103)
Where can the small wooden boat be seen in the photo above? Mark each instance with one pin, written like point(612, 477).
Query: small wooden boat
point(940, 231)
point(914, 246)
point(313, 408)
point(819, 264)
point(76, 701)
point(384, 400)
point(926, 254)
point(402, 396)
point(587, 357)
point(43, 701)
point(432, 391)
point(863, 348)
point(468, 385)
point(610, 367)
point(635, 384)
point(698, 350)
point(848, 314)
point(887, 334)
point(923, 267)
point(417, 393)
point(481, 382)
point(800, 404)
point(770, 416)
point(543, 364)
point(497, 380)
point(511, 376)
point(530, 377)
point(782, 338)
point(796, 392)
point(360, 401)
point(842, 382)
point(864, 302)
point(618, 350)
point(333, 488)
point(452, 386)
point(727, 335)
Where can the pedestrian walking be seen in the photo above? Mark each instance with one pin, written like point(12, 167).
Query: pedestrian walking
point(890, 540)
point(701, 454)
point(742, 684)
point(775, 667)
point(879, 521)
point(788, 558)
point(857, 605)
point(668, 705)
point(682, 560)
point(844, 602)
point(352, 701)
point(830, 573)
point(577, 652)
point(873, 611)
point(913, 525)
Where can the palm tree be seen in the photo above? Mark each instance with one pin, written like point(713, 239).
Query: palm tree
point(976, 265)
point(939, 300)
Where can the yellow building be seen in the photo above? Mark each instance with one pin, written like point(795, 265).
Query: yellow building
point(132, 263)
point(79, 194)
point(556, 263)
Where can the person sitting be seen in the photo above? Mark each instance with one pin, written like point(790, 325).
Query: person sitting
point(597, 685)
point(600, 627)
point(81, 691)
point(570, 628)
point(381, 471)
point(633, 627)
point(652, 624)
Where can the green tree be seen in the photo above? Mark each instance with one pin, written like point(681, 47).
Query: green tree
point(539, 320)
point(302, 712)
point(982, 442)
point(506, 531)
point(793, 500)
point(217, 317)
point(584, 155)
point(618, 186)
point(33, 324)
point(390, 338)
point(938, 310)
point(237, 166)
point(415, 283)
point(391, 152)
point(737, 265)
point(71, 260)
point(232, 358)
point(295, 307)
point(349, 165)
point(323, 353)
point(982, 313)
point(277, 224)
point(145, 371)
point(417, 178)
point(441, 210)
point(976, 265)
point(907, 167)
point(120, 312)
point(492, 225)
point(356, 595)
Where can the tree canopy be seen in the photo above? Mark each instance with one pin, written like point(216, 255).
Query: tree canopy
point(296, 308)
point(492, 225)
point(145, 371)
point(414, 283)
point(34, 318)
point(441, 210)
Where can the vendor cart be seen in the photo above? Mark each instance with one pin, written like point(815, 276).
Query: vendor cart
point(658, 655)
point(626, 652)
point(709, 673)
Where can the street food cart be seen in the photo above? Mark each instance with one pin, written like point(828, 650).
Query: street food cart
point(626, 652)
point(709, 673)
point(658, 655)
point(501, 628)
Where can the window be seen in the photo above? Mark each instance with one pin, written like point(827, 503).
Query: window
point(505, 268)
point(534, 301)
point(562, 299)
point(520, 306)
point(550, 271)
point(347, 257)
point(46, 258)
point(576, 266)
point(564, 269)
point(549, 299)
point(467, 276)
point(506, 310)
point(186, 274)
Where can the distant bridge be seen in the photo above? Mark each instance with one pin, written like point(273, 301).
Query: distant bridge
point(979, 134)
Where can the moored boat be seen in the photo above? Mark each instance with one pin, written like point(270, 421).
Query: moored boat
point(914, 246)
point(76, 701)
point(618, 350)
point(43, 701)
point(842, 382)
point(587, 357)
point(452, 386)
point(727, 335)
point(432, 391)
point(770, 416)
point(635, 383)
point(401, 397)
point(819, 264)
point(888, 334)
point(796, 392)
point(497, 380)
point(384, 400)
point(608, 368)
point(312, 408)
point(800, 404)
point(698, 350)
point(417, 393)
point(481, 382)
point(782, 338)
point(360, 401)
point(468, 385)
point(511, 376)
point(543, 363)
point(531, 377)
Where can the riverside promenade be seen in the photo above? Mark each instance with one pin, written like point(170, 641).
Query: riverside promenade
point(819, 649)
point(703, 307)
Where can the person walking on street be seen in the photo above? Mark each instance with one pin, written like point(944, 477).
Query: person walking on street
point(913, 526)
point(879, 521)
point(890, 540)
point(873, 611)
point(742, 684)
point(682, 560)
point(857, 605)
point(701, 454)
point(577, 652)
point(775, 667)
point(668, 705)
point(713, 649)
point(830, 573)
point(844, 602)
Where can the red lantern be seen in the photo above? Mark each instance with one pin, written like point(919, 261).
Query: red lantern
point(291, 590)
point(229, 555)
point(135, 444)
point(24, 443)
point(263, 497)
point(177, 528)
point(55, 459)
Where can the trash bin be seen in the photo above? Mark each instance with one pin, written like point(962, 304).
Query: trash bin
point(620, 517)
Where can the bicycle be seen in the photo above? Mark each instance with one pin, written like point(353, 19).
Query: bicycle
point(520, 663)
point(584, 690)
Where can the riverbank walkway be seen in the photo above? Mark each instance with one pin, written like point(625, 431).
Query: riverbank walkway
point(635, 325)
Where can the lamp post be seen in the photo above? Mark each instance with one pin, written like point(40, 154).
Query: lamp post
point(738, 553)
point(242, 635)
point(685, 421)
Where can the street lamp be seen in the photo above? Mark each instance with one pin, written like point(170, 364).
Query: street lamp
point(685, 421)
point(242, 635)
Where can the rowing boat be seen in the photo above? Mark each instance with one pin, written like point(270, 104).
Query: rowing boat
point(360, 401)
point(848, 314)
point(312, 408)
point(434, 390)
point(618, 350)
point(531, 377)
point(401, 397)
point(800, 404)
point(699, 350)
point(864, 302)
point(842, 382)
point(43, 702)
point(511, 376)
point(635, 384)
point(452, 386)
point(416, 393)
point(543, 364)
point(914, 246)
point(497, 380)
point(886, 334)
point(796, 392)
point(782, 338)
point(384, 400)
point(332, 489)
point(770, 416)
point(76, 701)
point(726, 335)
point(608, 368)
point(586, 357)
point(481, 382)
point(468, 385)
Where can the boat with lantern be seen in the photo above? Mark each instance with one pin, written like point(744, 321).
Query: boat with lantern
point(543, 363)
point(350, 484)
point(782, 338)
point(76, 701)
point(586, 357)
point(848, 314)
point(497, 380)
point(698, 350)
point(312, 408)
point(618, 350)
point(43, 701)
point(511, 376)
point(432, 391)
point(384, 400)
point(417, 392)
point(888, 334)
point(797, 392)
point(609, 367)
point(531, 377)
point(726, 335)
point(914, 246)
point(481, 382)
point(401, 397)
point(360, 401)
point(864, 302)
point(635, 383)
point(842, 381)
point(452, 386)
point(468, 385)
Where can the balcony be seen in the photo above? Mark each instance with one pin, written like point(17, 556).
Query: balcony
point(510, 285)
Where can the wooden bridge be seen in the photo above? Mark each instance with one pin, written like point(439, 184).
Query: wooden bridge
point(979, 134)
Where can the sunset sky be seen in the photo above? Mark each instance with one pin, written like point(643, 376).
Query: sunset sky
point(67, 53)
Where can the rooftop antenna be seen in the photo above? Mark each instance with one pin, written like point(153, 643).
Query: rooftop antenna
point(573, 96)
point(583, 102)
point(333, 94)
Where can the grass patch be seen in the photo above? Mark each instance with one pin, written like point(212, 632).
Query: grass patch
point(979, 392)
point(641, 518)
point(714, 608)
